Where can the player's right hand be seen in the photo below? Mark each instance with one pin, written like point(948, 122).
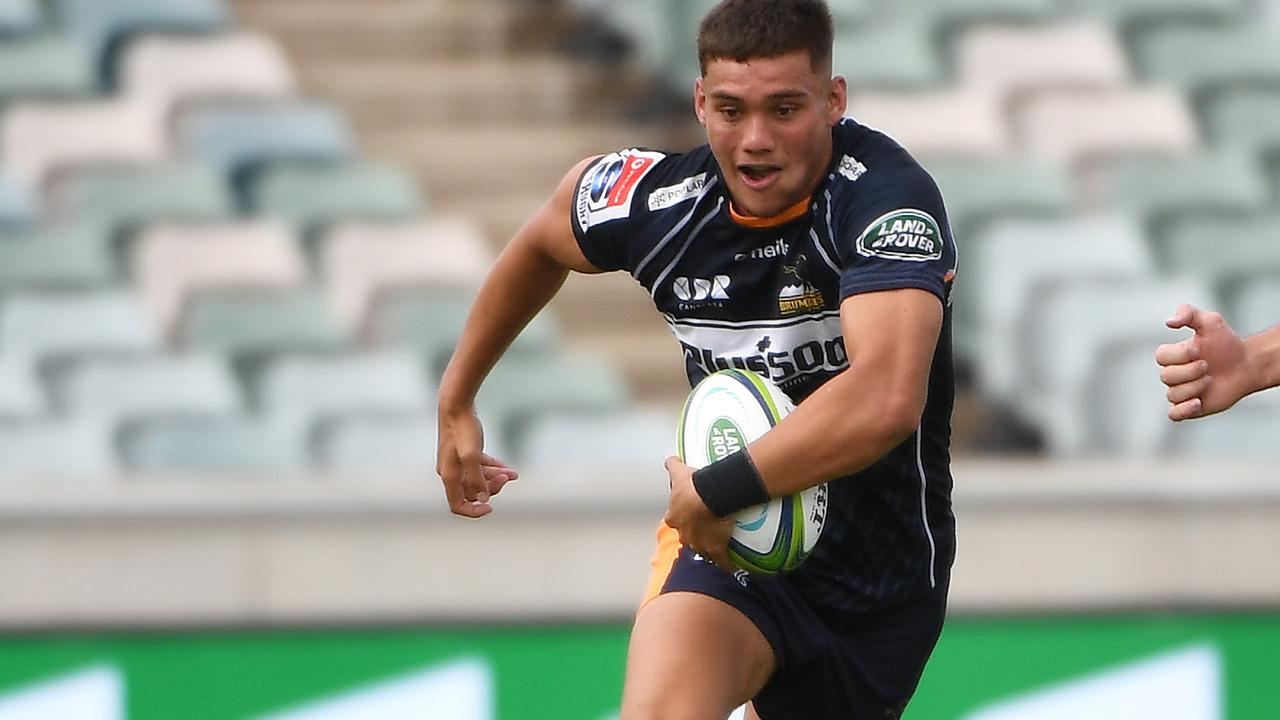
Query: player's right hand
point(471, 477)
point(1209, 371)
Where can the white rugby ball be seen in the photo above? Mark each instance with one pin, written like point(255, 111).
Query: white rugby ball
point(724, 412)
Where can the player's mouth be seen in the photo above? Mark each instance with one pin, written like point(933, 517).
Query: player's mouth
point(758, 176)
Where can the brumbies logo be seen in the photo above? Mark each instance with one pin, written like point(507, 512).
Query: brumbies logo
point(605, 191)
point(799, 296)
point(905, 234)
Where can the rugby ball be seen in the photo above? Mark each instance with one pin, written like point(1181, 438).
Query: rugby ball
point(724, 412)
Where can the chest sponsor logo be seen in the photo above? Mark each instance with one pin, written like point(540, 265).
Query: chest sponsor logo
point(774, 360)
point(906, 234)
point(851, 168)
point(665, 197)
point(605, 193)
point(693, 292)
point(776, 249)
point(797, 294)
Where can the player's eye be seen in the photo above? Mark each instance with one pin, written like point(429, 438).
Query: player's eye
point(729, 112)
point(785, 110)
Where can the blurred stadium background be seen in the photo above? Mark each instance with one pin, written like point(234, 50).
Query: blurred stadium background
point(238, 239)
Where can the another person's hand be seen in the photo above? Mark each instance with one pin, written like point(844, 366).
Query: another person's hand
point(471, 477)
point(699, 529)
point(1209, 371)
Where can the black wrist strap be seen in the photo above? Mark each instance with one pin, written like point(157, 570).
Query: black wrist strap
point(730, 484)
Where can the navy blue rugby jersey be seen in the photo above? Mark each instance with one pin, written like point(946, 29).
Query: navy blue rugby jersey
point(766, 296)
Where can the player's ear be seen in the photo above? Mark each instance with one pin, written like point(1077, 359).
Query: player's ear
point(837, 100)
point(699, 101)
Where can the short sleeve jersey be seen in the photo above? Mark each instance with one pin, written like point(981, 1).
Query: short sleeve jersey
point(765, 296)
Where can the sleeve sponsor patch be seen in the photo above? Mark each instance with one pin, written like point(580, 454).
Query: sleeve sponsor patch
point(904, 234)
point(606, 190)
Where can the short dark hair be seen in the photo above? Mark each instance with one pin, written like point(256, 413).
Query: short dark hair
point(741, 30)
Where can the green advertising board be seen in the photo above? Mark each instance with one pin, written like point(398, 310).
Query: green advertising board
point(1208, 667)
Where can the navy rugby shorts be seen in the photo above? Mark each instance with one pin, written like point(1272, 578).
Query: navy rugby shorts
point(849, 666)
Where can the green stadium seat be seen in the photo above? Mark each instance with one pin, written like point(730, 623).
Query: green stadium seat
point(19, 17)
point(58, 257)
point(1254, 307)
point(124, 197)
point(103, 26)
point(125, 388)
point(213, 446)
point(1163, 188)
point(1134, 16)
point(21, 394)
point(978, 191)
point(1205, 60)
point(1223, 251)
point(522, 387)
point(432, 322)
point(386, 445)
point(44, 67)
point(318, 195)
point(57, 449)
point(72, 324)
point(251, 324)
point(900, 55)
point(318, 387)
point(242, 138)
point(1245, 117)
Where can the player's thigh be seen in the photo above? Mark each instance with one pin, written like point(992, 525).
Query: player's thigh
point(692, 657)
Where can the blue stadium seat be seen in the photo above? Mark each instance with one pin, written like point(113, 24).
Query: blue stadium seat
point(595, 446)
point(125, 197)
point(1256, 305)
point(239, 139)
point(251, 325)
point(316, 387)
point(44, 67)
point(76, 324)
point(17, 203)
point(125, 388)
point(1223, 251)
point(75, 256)
point(237, 445)
point(21, 394)
point(103, 26)
point(381, 445)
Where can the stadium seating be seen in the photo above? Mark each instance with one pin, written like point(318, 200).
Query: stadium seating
point(1016, 60)
point(72, 256)
point(317, 386)
point(363, 263)
point(172, 261)
point(53, 326)
point(598, 445)
point(38, 138)
point(240, 139)
point(1016, 262)
point(1246, 432)
point(1223, 251)
point(893, 57)
point(127, 197)
point(103, 26)
point(1210, 59)
point(125, 388)
point(1135, 16)
point(21, 395)
point(251, 325)
point(1075, 126)
point(316, 196)
point(19, 17)
point(1239, 118)
point(386, 445)
point(17, 203)
point(1256, 305)
point(974, 126)
point(216, 67)
point(979, 191)
point(226, 446)
point(1127, 406)
point(1065, 341)
point(38, 451)
point(44, 67)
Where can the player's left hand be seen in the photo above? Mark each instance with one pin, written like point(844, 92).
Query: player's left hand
point(699, 529)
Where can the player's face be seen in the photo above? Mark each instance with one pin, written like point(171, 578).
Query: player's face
point(769, 124)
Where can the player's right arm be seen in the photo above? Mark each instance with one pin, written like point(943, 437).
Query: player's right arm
point(1215, 368)
point(527, 274)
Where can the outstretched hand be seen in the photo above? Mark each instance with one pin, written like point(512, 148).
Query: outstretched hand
point(1209, 371)
point(471, 476)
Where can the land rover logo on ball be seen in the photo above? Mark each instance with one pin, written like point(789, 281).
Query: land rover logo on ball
point(906, 234)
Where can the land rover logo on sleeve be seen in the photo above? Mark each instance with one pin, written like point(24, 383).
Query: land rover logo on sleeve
point(905, 234)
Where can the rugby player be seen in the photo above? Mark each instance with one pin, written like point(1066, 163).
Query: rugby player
point(811, 249)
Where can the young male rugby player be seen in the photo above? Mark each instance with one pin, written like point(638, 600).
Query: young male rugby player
point(813, 250)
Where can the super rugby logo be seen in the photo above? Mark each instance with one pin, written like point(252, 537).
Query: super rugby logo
point(905, 234)
point(606, 190)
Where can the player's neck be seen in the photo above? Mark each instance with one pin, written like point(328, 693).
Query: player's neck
point(755, 221)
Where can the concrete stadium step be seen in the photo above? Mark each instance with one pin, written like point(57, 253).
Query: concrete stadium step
point(457, 162)
point(387, 28)
point(388, 94)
